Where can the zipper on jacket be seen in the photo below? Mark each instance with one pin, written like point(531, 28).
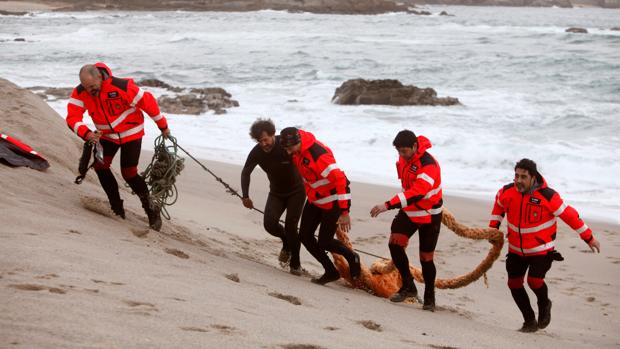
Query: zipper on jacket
point(106, 118)
point(519, 227)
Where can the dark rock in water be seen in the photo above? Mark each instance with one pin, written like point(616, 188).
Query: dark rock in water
point(158, 83)
point(615, 28)
point(577, 30)
point(52, 92)
point(198, 101)
point(19, 39)
point(12, 13)
point(420, 13)
point(387, 92)
point(444, 13)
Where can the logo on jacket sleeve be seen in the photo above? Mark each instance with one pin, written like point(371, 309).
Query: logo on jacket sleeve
point(535, 200)
point(112, 94)
point(413, 168)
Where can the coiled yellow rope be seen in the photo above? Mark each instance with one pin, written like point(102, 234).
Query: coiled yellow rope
point(382, 278)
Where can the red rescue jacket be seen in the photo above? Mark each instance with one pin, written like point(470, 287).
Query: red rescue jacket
point(116, 112)
point(532, 223)
point(324, 181)
point(421, 181)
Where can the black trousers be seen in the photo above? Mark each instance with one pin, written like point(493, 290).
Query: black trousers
point(401, 231)
point(130, 156)
point(274, 208)
point(311, 219)
point(538, 266)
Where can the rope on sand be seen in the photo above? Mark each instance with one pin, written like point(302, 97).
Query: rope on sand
point(160, 174)
point(383, 280)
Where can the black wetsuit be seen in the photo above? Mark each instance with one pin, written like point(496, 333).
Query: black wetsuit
point(286, 192)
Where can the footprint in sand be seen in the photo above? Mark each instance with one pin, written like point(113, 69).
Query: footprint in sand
point(224, 329)
point(107, 283)
point(46, 276)
point(233, 277)
point(178, 253)
point(331, 328)
point(291, 299)
point(301, 346)
point(140, 232)
point(371, 325)
point(193, 329)
point(34, 287)
point(141, 308)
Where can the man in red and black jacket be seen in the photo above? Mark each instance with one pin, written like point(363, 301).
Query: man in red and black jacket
point(420, 205)
point(329, 201)
point(531, 209)
point(116, 107)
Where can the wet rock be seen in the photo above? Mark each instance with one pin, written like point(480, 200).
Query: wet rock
point(615, 28)
point(198, 101)
point(12, 13)
point(387, 92)
point(444, 13)
point(48, 93)
point(158, 83)
point(419, 13)
point(19, 39)
point(577, 30)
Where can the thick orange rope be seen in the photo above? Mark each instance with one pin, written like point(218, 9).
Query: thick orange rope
point(382, 279)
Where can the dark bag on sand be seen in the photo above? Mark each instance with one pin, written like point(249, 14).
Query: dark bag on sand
point(555, 256)
point(84, 165)
point(15, 153)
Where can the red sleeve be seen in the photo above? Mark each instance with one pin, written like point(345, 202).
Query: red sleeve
point(570, 216)
point(423, 184)
point(328, 168)
point(498, 212)
point(145, 101)
point(75, 115)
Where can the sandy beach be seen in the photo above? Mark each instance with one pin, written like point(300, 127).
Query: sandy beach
point(72, 275)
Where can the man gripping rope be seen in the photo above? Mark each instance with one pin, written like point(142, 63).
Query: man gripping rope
point(420, 206)
point(329, 201)
point(532, 209)
point(115, 105)
point(286, 191)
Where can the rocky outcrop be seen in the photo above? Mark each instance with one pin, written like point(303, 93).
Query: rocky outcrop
point(198, 101)
point(158, 83)
point(615, 28)
point(577, 30)
point(387, 92)
point(314, 6)
point(52, 93)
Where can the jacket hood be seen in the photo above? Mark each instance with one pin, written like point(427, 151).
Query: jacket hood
point(106, 72)
point(307, 140)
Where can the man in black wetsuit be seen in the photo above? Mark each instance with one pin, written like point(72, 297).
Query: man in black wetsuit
point(286, 190)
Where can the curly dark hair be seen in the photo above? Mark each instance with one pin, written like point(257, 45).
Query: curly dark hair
point(262, 125)
point(530, 167)
point(405, 138)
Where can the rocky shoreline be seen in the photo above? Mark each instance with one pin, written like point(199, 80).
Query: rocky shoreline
point(350, 7)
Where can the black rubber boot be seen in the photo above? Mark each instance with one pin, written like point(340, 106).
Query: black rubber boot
point(110, 186)
point(139, 187)
point(544, 314)
point(429, 302)
point(355, 267)
point(408, 290)
point(152, 212)
point(529, 326)
point(329, 276)
point(118, 209)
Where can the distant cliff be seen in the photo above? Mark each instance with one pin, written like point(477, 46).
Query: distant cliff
point(314, 6)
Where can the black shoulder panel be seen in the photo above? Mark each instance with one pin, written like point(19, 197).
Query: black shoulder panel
point(547, 193)
point(508, 186)
point(427, 159)
point(120, 83)
point(80, 88)
point(316, 151)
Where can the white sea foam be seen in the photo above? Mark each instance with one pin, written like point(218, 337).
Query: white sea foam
point(528, 88)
